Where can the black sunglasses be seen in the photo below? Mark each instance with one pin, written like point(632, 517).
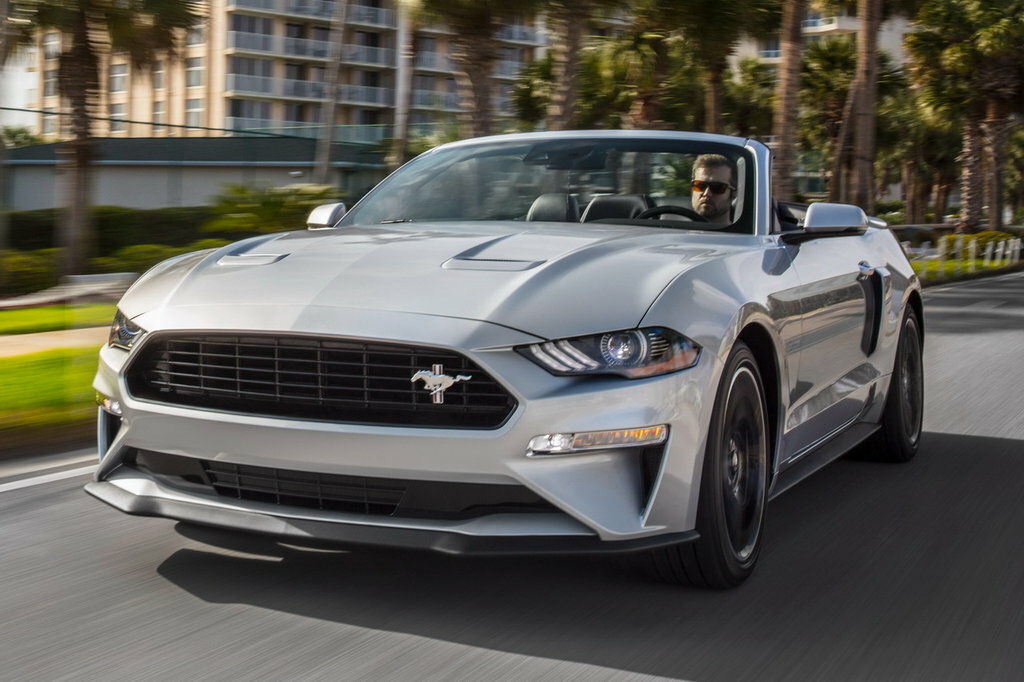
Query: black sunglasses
point(716, 187)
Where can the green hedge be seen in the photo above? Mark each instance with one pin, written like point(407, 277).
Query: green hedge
point(118, 227)
point(30, 271)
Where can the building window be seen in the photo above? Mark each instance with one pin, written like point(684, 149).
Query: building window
point(158, 117)
point(50, 83)
point(295, 72)
point(194, 112)
point(247, 66)
point(117, 112)
point(194, 36)
point(249, 108)
point(49, 124)
point(295, 113)
point(250, 24)
point(158, 75)
point(194, 72)
point(118, 75)
point(51, 45)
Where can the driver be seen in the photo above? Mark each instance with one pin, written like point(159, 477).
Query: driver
point(714, 187)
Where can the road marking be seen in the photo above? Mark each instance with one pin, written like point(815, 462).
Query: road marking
point(38, 480)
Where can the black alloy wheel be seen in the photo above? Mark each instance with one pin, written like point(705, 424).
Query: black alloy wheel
point(734, 485)
point(899, 437)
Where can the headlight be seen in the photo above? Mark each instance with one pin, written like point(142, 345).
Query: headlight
point(124, 333)
point(632, 353)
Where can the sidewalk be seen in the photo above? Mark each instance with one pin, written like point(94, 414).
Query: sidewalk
point(21, 344)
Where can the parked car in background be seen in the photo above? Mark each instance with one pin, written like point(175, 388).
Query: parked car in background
point(593, 341)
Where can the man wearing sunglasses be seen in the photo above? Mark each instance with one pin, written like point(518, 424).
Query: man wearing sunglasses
point(714, 186)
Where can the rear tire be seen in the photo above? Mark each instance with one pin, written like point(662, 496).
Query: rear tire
point(733, 488)
point(899, 437)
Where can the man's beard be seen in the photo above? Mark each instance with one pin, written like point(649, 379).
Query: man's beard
point(709, 210)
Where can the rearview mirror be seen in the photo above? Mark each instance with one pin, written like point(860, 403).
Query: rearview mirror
point(325, 217)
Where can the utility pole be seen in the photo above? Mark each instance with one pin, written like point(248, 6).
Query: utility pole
point(329, 109)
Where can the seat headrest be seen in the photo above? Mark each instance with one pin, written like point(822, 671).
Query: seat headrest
point(616, 206)
point(555, 207)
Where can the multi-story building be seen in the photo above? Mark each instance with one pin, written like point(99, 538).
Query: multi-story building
point(262, 65)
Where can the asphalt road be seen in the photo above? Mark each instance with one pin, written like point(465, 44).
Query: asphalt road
point(871, 572)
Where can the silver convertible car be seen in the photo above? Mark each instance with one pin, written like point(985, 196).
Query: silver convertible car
point(561, 342)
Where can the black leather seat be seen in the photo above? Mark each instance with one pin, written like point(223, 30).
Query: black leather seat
point(555, 207)
point(616, 206)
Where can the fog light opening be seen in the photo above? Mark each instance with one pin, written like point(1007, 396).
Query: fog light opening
point(108, 404)
point(569, 443)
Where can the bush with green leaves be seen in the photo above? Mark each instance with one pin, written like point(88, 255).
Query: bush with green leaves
point(27, 271)
point(246, 208)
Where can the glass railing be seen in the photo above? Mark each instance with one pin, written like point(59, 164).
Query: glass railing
point(304, 89)
point(375, 16)
point(306, 47)
point(261, 85)
point(365, 54)
point(254, 42)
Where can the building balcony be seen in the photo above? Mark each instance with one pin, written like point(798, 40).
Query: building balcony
point(370, 16)
point(306, 47)
point(435, 61)
point(433, 99)
point(252, 85)
point(364, 54)
point(834, 24)
point(519, 34)
point(308, 8)
point(507, 69)
point(252, 42)
point(303, 89)
point(367, 95)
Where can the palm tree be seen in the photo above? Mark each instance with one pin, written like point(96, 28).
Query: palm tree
point(969, 62)
point(142, 29)
point(475, 25)
point(786, 96)
point(714, 28)
point(568, 21)
point(826, 77)
point(748, 99)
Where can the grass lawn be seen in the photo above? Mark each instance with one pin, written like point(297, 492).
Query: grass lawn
point(49, 388)
point(55, 317)
point(929, 269)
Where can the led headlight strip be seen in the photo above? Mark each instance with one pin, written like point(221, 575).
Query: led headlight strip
point(632, 353)
point(566, 443)
point(124, 333)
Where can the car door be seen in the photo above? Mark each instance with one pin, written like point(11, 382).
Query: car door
point(841, 302)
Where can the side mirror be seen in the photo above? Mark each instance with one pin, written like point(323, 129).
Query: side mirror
point(325, 217)
point(824, 218)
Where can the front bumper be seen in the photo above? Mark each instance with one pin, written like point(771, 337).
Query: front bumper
point(573, 540)
point(601, 499)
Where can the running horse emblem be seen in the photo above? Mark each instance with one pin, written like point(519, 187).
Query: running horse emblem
point(437, 382)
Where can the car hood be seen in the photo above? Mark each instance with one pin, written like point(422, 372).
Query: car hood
point(545, 279)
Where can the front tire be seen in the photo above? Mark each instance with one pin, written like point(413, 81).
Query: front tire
point(899, 437)
point(734, 485)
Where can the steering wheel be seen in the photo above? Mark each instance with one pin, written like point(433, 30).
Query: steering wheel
point(656, 211)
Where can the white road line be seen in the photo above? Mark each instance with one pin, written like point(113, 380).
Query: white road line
point(38, 480)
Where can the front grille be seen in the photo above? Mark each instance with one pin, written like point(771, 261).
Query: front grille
point(301, 489)
point(316, 379)
point(405, 498)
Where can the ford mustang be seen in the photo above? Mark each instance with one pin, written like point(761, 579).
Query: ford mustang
point(592, 341)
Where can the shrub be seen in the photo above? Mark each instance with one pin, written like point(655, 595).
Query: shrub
point(889, 207)
point(242, 208)
point(29, 271)
point(985, 238)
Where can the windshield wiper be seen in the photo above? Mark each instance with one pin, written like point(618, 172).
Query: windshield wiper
point(396, 220)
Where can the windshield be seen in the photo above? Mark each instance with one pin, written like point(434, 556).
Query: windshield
point(641, 181)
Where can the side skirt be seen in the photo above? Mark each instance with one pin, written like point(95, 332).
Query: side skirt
point(830, 450)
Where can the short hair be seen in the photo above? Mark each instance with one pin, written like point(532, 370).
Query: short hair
point(716, 161)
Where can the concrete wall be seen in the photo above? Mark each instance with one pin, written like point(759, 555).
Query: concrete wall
point(32, 186)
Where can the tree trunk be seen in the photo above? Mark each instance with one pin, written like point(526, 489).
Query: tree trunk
point(866, 84)
point(399, 153)
point(970, 171)
point(329, 108)
point(942, 191)
point(570, 21)
point(786, 104)
point(713, 96)
point(79, 81)
point(838, 190)
point(995, 130)
point(476, 54)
